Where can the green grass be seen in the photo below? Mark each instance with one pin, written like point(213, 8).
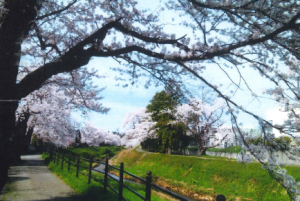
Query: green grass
point(97, 152)
point(94, 190)
point(235, 149)
point(208, 176)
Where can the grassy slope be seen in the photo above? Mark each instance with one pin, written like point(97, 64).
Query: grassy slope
point(94, 191)
point(97, 152)
point(219, 176)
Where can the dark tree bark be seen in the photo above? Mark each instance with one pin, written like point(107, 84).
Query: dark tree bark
point(20, 138)
point(15, 26)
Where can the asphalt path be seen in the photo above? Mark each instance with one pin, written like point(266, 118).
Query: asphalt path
point(31, 180)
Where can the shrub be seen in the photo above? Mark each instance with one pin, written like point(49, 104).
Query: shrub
point(279, 144)
point(235, 149)
point(151, 144)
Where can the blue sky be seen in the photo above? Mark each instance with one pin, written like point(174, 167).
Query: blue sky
point(122, 100)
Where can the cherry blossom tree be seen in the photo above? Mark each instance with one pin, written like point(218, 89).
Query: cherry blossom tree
point(61, 36)
point(93, 136)
point(50, 107)
point(138, 126)
point(199, 118)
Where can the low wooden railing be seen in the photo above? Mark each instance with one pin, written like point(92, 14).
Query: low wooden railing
point(60, 157)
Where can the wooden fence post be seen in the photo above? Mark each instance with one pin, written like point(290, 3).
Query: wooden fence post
point(54, 155)
point(51, 154)
point(69, 163)
point(220, 198)
point(77, 170)
point(57, 157)
point(105, 175)
point(121, 182)
point(62, 161)
point(148, 186)
point(90, 169)
point(45, 148)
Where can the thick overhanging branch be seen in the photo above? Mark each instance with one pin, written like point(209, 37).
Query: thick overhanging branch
point(77, 56)
point(124, 30)
point(73, 59)
point(57, 12)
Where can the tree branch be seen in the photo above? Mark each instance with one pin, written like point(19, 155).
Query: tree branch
point(58, 11)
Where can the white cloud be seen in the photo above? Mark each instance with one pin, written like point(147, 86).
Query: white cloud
point(277, 117)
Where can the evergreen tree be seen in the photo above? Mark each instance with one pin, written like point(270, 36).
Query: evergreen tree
point(170, 135)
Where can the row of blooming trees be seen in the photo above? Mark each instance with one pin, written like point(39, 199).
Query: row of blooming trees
point(61, 36)
point(139, 126)
point(50, 107)
point(173, 124)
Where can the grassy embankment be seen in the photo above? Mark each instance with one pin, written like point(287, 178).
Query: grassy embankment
point(211, 176)
point(94, 190)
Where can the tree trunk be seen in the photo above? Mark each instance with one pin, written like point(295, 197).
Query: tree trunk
point(168, 150)
point(14, 27)
point(201, 146)
point(202, 151)
point(7, 123)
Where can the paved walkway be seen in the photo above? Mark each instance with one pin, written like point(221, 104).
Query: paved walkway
point(31, 180)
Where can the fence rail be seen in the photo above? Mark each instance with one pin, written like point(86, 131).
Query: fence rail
point(60, 156)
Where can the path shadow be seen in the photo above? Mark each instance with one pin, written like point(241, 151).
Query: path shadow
point(71, 198)
point(32, 153)
point(14, 179)
point(31, 163)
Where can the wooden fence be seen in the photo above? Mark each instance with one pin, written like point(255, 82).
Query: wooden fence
point(60, 157)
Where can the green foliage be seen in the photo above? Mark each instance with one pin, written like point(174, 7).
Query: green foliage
point(78, 145)
point(172, 136)
point(235, 149)
point(256, 141)
point(37, 142)
point(284, 143)
point(97, 152)
point(194, 148)
point(161, 101)
point(279, 144)
point(34, 140)
point(152, 144)
point(169, 135)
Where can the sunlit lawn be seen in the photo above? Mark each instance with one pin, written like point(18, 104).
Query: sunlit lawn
point(94, 190)
point(208, 176)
